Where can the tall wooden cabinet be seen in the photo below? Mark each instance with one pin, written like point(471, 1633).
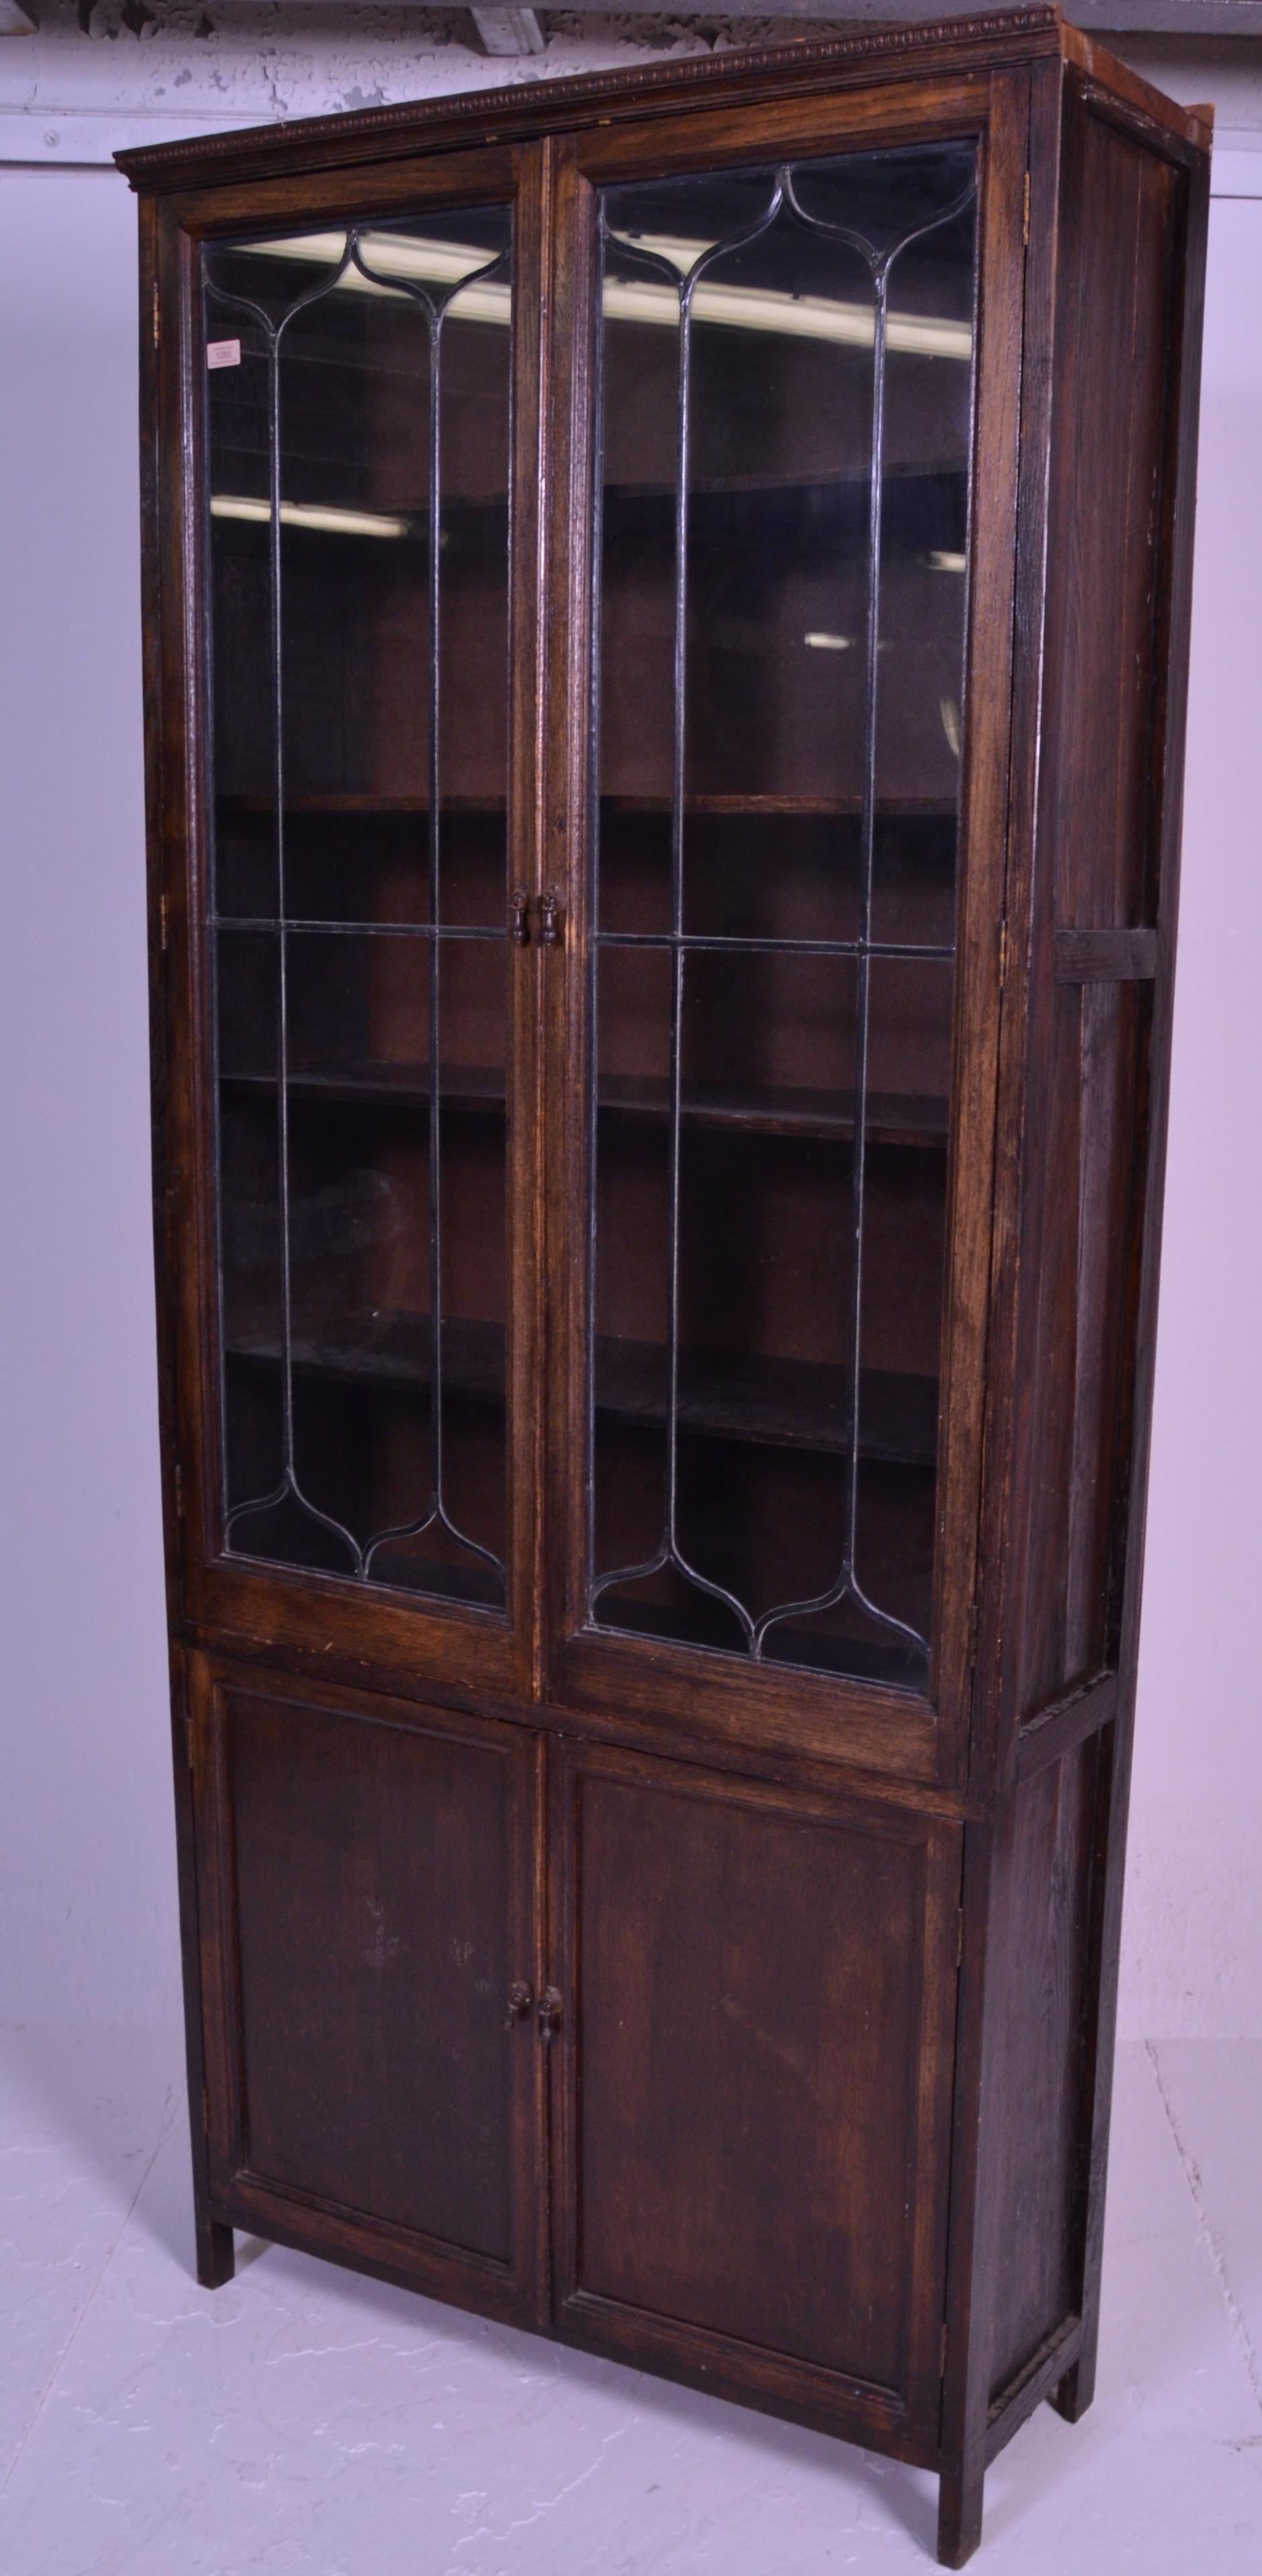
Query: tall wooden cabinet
point(666, 622)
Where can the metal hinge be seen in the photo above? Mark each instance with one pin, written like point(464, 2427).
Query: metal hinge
point(162, 922)
point(1025, 213)
point(155, 312)
point(1003, 953)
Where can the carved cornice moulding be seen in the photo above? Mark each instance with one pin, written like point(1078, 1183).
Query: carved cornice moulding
point(539, 105)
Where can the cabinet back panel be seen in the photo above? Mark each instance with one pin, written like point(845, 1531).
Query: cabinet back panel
point(374, 1949)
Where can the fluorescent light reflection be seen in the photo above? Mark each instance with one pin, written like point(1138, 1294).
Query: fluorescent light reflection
point(763, 308)
point(419, 263)
point(305, 514)
point(647, 300)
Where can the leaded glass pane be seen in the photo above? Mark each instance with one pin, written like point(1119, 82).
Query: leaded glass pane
point(784, 407)
point(357, 416)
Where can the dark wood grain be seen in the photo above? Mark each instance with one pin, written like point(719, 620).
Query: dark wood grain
point(735, 2051)
point(376, 133)
point(1097, 808)
point(1041, 1927)
point(893, 1118)
point(1017, 2401)
point(1105, 956)
point(817, 2113)
point(1178, 504)
point(370, 2066)
point(745, 78)
point(577, 1664)
point(1065, 1724)
point(1069, 1407)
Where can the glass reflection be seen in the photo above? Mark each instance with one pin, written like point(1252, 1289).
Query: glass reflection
point(785, 406)
point(358, 450)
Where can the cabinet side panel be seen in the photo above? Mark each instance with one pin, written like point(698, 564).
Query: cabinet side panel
point(1113, 396)
point(1098, 867)
point(1097, 1096)
point(1044, 1882)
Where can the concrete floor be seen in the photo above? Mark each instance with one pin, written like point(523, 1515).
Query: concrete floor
point(305, 2423)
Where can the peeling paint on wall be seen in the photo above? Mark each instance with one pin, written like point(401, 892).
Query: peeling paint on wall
point(99, 74)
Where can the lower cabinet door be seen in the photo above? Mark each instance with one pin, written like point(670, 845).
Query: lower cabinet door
point(756, 1991)
point(368, 1919)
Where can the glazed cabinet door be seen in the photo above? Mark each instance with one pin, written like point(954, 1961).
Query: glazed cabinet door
point(359, 1201)
point(366, 1908)
point(752, 2084)
point(797, 430)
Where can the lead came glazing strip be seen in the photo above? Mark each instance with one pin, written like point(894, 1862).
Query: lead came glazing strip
point(437, 1516)
point(288, 1488)
point(847, 1586)
point(434, 305)
point(669, 1552)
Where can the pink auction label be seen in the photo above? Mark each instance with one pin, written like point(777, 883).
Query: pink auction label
point(223, 353)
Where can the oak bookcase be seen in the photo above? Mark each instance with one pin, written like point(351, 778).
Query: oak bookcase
point(667, 610)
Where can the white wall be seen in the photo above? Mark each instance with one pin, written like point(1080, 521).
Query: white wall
point(86, 1872)
point(1194, 1905)
point(145, 70)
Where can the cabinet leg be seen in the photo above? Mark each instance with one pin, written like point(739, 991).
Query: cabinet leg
point(1072, 2395)
point(960, 2510)
point(216, 2253)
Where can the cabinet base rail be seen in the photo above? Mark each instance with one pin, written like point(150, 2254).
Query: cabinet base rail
point(1052, 2373)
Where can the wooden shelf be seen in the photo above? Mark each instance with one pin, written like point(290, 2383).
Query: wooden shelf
point(797, 511)
point(777, 1403)
point(926, 469)
point(335, 801)
point(782, 807)
point(386, 1086)
point(788, 808)
point(760, 1402)
point(387, 1350)
point(894, 1118)
point(726, 498)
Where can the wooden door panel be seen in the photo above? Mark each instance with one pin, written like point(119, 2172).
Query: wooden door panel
point(758, 2003)
point(351, 1108)
point(375, 1906)
point(770, 1338)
